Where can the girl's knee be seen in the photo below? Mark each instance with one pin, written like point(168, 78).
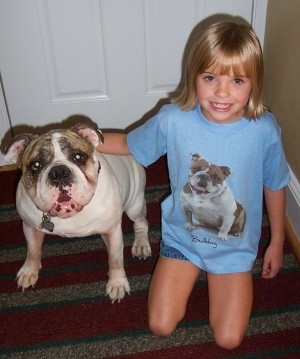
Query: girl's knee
point(161, 327)
point(160, 330)
point(163, 324)
point(228, 340)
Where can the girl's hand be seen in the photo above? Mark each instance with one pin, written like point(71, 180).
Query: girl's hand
point(272, 261)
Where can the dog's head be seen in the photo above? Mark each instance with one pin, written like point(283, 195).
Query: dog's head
point(59, 168)
point(206, 178)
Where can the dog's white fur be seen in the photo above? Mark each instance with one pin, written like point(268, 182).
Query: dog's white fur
point(84, 203)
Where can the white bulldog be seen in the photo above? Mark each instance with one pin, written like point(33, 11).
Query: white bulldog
point(70, 189)
point(208, 199)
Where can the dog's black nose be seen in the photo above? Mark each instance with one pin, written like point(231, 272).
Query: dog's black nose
point(60, 176)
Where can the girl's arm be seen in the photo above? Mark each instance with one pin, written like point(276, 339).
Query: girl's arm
point(275, 203)
point(114, 144)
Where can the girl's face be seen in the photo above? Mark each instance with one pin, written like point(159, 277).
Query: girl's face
point(222, 98)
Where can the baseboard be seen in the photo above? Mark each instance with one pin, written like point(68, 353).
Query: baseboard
point(2, 160)
point(8, 168)
point(292, 238)
point(292, 225)
point(293, 205)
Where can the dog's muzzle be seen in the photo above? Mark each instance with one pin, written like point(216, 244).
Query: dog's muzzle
point(60, 176)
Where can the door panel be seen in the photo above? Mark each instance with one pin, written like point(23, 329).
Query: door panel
point(110, 60)
point(75, 62)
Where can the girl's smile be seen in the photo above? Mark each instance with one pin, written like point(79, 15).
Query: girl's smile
point(223, 107)
point(223, 98)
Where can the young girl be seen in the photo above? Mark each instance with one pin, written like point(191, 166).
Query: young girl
point(224, 151)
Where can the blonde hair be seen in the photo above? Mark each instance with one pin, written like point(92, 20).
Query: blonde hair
point(224, 46)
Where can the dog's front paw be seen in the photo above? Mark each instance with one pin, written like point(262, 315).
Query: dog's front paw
point(189, 227)
point(27, 276)
point(237, 234)
point(117, 288)
point(222, 236)
point(141, 248)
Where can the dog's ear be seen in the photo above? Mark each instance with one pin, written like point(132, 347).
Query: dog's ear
point(226, 170)
point(16, 147)
point(195, 157)
point(92, 134)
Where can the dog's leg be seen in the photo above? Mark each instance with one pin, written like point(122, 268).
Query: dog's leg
point(117, 284)
point(240, 219)
point(141, 246)
point(225, 228)
point(137, 213)
point(188, 215)
point(28, 274)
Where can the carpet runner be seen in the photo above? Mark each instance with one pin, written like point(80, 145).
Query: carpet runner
point(67, 314)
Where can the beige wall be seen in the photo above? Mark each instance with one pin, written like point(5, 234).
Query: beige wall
point(282, 73)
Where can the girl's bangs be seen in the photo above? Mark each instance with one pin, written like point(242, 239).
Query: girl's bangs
point(225, 64)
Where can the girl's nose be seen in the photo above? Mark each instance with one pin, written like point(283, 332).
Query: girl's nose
point(222, 89)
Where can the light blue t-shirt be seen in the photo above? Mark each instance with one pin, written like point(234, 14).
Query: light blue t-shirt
point(217, 173)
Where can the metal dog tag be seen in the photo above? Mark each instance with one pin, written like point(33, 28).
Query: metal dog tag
point(46, 223)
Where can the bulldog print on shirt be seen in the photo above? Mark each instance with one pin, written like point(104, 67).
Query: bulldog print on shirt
point(208, 202)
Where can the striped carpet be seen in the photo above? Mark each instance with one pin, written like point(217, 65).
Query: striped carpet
point(68, 315)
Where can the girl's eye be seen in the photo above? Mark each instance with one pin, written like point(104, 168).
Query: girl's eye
point(209, 78)
point(238, 81)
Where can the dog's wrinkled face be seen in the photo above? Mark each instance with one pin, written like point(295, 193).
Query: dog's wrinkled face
point(59, 171)
point(206, 178)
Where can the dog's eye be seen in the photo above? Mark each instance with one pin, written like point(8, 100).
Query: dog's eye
point(36, 166)
point(79, 158)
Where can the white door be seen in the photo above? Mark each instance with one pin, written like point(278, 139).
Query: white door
point(110, 60)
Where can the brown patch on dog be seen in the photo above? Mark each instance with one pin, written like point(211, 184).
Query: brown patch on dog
point(187, 188)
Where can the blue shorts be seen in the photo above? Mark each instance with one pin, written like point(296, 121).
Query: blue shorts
point(170, 252)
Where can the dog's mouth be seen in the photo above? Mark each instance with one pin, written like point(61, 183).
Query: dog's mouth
point(64, 197)
point(65, 206)
point(199, 189)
